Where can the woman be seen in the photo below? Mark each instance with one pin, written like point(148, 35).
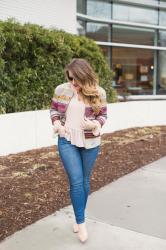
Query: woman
point(78, 111)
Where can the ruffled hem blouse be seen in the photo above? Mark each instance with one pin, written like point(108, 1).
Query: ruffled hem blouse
point(74, 117)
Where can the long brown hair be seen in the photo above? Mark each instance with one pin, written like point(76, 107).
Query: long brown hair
point(85, 76)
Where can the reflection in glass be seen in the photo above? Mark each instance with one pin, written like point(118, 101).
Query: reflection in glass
point(132, 35)
point(134, 14)
point(161, 85)
point(97, 31)
point(133, 70)
point(107, 53)
point(81, 6)
point(162, 18)
point(99, 8)
point(81, 27)
point(162, 38)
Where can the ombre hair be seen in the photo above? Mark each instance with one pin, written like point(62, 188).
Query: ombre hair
point(85, 76)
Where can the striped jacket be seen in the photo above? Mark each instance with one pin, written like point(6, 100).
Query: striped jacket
point(62, 96)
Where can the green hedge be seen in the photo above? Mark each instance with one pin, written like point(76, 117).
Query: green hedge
point(32, 61)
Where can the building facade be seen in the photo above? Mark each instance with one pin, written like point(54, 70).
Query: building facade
point(132, 36)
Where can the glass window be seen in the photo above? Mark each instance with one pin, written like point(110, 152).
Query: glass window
point(107, 53)
point(81, 27)
point(99, 8)
point(133, 70)
point(162, 18)
point(161, 85)
point(124, 34)
point(81, 6)
point(163, 3)
point(134, 14)
point(162, 38)
point(98, 32)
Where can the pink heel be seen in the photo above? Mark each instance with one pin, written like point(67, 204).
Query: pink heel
point(82, 233)
point(75, 228)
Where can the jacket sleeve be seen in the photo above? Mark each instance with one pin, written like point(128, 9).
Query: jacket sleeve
point(54, 113)
point(101, 117)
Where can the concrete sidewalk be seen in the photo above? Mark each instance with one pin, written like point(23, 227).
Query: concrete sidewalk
point(128, 214)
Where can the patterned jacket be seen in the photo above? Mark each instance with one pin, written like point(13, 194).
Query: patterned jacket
point(62, 96)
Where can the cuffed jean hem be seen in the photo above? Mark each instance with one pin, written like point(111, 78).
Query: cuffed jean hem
point(80, 222)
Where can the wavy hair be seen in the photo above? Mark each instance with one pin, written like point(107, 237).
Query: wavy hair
point(85, 76)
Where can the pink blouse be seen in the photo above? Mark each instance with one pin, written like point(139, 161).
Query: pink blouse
point(74, 116)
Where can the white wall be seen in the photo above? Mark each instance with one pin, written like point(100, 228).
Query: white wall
point(49, 13)
point(135, 113)
point(28, 130)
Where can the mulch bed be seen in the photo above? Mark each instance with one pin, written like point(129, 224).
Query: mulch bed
point(34, 184)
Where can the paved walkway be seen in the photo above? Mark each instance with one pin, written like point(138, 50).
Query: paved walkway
point(128, 214)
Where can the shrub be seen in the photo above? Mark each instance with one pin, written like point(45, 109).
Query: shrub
point(32, 61)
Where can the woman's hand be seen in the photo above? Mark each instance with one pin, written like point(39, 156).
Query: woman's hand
point(88, 124)
point(92, 125)
point(62, 130)
point(58, 128)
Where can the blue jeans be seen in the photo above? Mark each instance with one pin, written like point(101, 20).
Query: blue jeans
point(78, 163)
